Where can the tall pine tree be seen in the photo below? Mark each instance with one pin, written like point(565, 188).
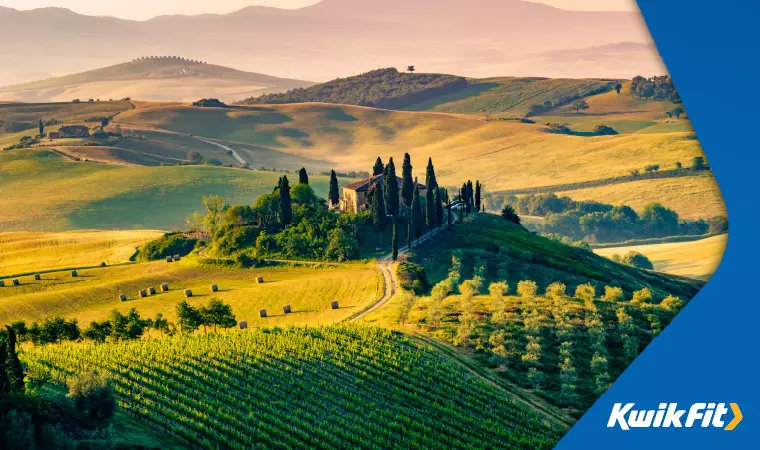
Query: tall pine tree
point(334, 195)
point(13, 367)
point(42, 128)
point(378, 168)
point(477, 195)
point(407, 184)
point(391, 189)
point(418, 226)
point(286, 209)
point(303, 176)
point(470, 197)
point(379, 217)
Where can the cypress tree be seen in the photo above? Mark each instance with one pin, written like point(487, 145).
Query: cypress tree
point(477, 196)
point(379, 217)
point(14, 369)
point(470, 197)
point(430, 215)
point(418, 226)
point(378, 168)
point(430, 181)
point(391, 189)
point(5, 382)
point(407, 184)
point(286, 210)
point(42, 128)
point(448, 209)
point(438, 208)
point(303, 177)
point(334, 194)
point(394, 241)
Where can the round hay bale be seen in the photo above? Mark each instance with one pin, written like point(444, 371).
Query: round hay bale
point(286, 309)
point(122, 298)
point(74, 274)
point(188, 293)
point(169, 259)
point(16, 282)
point(164, 287)
point(177, 257)
point(243, 325)
point(259, 280)
point(37, 277)
point(103, 264)
point(263, 313)
point(214, 288)
point(334, 304)
point(2, 283)
point(152, 291)
point(143, 293)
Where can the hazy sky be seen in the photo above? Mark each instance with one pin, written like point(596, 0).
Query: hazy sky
point(145, 9)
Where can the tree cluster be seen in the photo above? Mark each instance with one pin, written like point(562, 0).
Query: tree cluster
point(655, 88)
point(382, 88)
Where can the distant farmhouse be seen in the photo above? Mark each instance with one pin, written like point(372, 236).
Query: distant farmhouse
point(356, 195)
point(71, 131)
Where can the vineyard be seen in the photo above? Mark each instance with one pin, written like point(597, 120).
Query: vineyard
point(323, 387)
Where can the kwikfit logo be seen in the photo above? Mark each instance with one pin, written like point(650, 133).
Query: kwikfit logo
point(668, 415)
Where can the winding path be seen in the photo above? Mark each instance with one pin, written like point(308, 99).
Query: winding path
point(229, 149)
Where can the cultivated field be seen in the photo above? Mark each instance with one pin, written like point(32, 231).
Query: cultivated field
point(694, 259)
point(691, 197)
point(25, 252)
point(95, 292)
point(325, 388)
point(86, 195)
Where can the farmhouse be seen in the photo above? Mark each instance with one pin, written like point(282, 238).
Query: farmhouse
point(356, 195)
point(73, 131)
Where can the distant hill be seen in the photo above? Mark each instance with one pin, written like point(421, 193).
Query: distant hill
point(382, 88)
point(477, 38)
point(153, 78)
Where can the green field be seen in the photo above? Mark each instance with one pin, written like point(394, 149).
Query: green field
point(304, 388)
point(694, 259)
point(86, 195)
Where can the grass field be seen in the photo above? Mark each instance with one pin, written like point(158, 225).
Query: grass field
point(95, 292)
point(506, 97)
point(86, 195)
point(462, 147)
point(695, 259)
point(691, 197)
point(24, 252)
point(328, 387)
point(67, 113)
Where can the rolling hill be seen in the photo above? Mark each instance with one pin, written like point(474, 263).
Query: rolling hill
point(155, 78)
point(337, 37)
point(70, 194)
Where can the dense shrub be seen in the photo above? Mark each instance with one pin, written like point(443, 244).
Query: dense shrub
point(209, 103)
point(168, 245)
point(93, 394)
point(604, 130)
point(634, 259)
point(412, 277)
point(382, 88)
point(556, 127)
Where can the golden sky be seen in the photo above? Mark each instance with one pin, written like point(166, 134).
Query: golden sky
point(145, 9)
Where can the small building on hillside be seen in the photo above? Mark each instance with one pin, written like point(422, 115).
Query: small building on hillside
point(54, 135)
point(356, 195)
point(74, 131)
